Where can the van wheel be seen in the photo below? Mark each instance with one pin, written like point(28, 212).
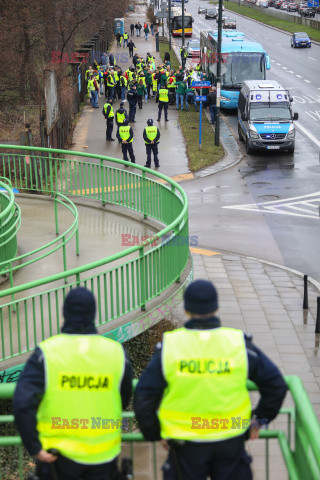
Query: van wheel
point(240, 134)
point(291, 151)
point(248, 148)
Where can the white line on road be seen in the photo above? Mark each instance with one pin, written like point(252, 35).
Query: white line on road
point(273, 61)
point(299, 76)
point(290, 71)
point(311, 58)
point(308, 81)
point(279, 44)
point(306, 132)
point(284, 68)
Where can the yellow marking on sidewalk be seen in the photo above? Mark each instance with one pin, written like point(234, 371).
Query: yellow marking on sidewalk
point(202, 251)
point(183, 176)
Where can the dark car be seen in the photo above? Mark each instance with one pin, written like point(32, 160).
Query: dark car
point(300, 39)
point(229, 23)
point(211, 13)
point(307, 12)
point(292, 7)
point(271, 3)
point(202, 10)
point(277, 4)
point(302, 5)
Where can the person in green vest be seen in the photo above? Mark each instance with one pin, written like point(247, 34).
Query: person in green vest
point(108, 114)
point(141, 90)
point(180, 93)
point(125, 137)
point(151, 137)
point(193, 394)
point(183, 55)
point(73, 385)
point(163, 100)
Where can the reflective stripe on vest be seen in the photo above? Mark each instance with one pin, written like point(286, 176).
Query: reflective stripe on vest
point(124, 133)
point(83, 377)
point(121, 117)
point(111, 113)
point(163, 95)
point(151, 133)
point(206, 372)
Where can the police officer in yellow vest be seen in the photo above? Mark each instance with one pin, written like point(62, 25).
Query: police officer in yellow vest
point(71, 394)
point(108, 114)
point(151, 136)
point(121, 115)
point(193, 395)
point(163, 99)
point(125, 137)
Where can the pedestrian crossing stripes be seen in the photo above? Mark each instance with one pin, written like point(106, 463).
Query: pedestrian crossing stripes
point(307, 206)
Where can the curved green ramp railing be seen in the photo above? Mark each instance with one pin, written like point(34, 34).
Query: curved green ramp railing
point(10, 219)
point(123, 282)
point(299, 442)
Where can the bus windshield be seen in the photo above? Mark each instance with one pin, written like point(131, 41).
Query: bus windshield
point(177, 22)
point(242, 66)
point(270, 111)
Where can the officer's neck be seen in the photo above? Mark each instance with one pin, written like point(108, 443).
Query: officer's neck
point(202, 323)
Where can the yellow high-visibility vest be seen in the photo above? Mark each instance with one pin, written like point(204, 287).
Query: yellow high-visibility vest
point(151, 133)
point(207, 398)
point(120, 117)
point(163, 95)
point(83, 379)
point(111, 113)
point(124, 133)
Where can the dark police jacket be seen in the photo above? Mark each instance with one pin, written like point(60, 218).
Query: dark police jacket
point(132, 97)
point(30, 390)
point(261, 371)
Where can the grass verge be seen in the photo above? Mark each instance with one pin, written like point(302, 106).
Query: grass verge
point(273, 21)
point(209, 153)
point(189, 123)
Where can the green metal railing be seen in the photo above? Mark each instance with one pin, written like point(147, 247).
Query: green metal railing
point(300, 448)
point(10, 219)
point(122, 282)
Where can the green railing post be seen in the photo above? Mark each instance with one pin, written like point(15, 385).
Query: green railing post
point(142, 279)
point(56, 213)
point(51, 174)
point(144, 194)
point(64, 255)
point(11, 285)
point(103, 193)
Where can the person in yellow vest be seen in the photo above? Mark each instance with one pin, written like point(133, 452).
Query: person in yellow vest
point(125, 137)
point(151, 137)
point(121, 115)
point(193, 394)
point(163, 99)
point(111, 82)
point(125, 39)
point(108, 114)
point(73, 385)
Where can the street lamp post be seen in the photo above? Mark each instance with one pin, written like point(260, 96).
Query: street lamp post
point(217, 119)
point(183, 23)
point(169, 24)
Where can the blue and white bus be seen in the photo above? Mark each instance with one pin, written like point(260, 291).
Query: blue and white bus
point(242, 59)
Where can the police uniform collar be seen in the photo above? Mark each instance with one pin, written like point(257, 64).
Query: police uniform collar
point(203, 324)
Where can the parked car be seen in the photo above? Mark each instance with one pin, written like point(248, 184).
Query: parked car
point(223, 18)
point(193, 48)
point(211, 13)
point(284, 6)
point(300, 39)
point(202, 10)
point(302, 5)
point(271, 3)
point(307, 12)
point(229, 23)
point(278, 4)
point(292, 7)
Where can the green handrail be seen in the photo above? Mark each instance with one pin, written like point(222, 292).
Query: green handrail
point(145, 271)
point(10, 219)
point(306, 431)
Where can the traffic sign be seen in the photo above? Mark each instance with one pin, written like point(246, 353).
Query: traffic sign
point(201, 98)
point(313, 3)
point(200, 84)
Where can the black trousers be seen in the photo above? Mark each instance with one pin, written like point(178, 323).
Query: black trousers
point(127, 148)
point(68, 470)
point(164, 106)
point(152, 148)
point(109, 128)
point(223, 460)
point(140, 101)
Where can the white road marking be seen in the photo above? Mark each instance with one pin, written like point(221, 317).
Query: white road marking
point(279, 64)
point(279, 44)
point(299, 76)
point(273, 61)
point(285, 207)
point(306, 132)
point(308, 81)
point(290, 71)
point(284, 68)
point(311, 58)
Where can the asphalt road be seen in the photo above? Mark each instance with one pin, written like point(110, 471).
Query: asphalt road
point(269, 206)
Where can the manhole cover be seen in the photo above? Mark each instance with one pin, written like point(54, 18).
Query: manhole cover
point(269, 197)
point(260, 184)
